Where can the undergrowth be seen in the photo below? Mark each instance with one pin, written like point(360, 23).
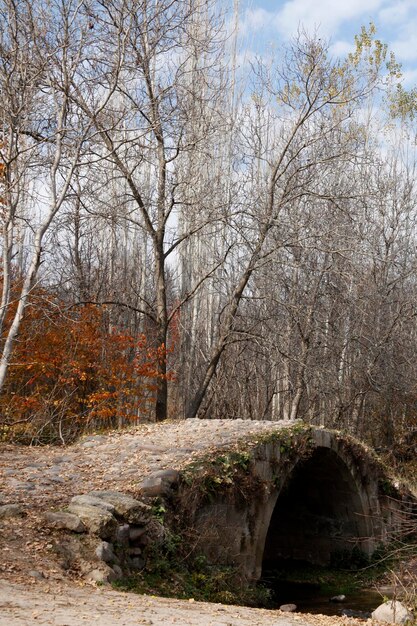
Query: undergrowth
point(169, 574)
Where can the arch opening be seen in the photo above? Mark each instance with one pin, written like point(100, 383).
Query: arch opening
point(318, 514)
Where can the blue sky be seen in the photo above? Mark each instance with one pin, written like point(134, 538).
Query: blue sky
point(269, 23)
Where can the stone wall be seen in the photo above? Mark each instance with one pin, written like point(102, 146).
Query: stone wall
point(109, 534)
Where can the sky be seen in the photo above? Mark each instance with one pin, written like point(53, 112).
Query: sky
point(270, 23)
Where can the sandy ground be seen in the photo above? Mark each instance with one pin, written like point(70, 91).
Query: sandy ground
point(80, 606)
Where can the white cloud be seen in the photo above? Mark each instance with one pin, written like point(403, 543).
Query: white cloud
point(410, 78)
point(397, 12)
point(341, 48)
point(335, 20)
point(255, 20)
point(400, 20)
point(324, 15)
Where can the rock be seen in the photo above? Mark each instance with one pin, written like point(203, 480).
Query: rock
point(21, 486)
point(104, 574)
point(118, 571)
point(126, 507)
point(69, 552)
point(159, 483)
point(288, 608)
point(339, 598)
point(136, 532)
point(354, 613)
point(93, 501)
point(56, 480)
point(393, 612)
point(92, 440)
point(170, 476)
point(135, 551)
point(34, 573)
point(66, 521)
point(97, 520)
point(122, 534)
point(137, 562)
point(62, 459)
point(104, 552)
point(153, 487)
point(11, 510)
point(54, 469)
point(155, 532)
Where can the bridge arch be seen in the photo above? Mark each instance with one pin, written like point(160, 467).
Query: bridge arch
point(312, 500)
point(318, 513)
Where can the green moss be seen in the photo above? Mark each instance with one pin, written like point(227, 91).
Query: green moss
point(209, 475)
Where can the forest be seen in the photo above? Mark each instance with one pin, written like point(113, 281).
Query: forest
point(185, 233)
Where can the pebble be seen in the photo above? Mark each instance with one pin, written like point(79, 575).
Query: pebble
point(34, 573)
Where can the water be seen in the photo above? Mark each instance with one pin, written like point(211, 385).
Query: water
point(309, 598)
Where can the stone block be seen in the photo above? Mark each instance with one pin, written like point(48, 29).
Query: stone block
point(103, 574)
point(127, 508)
point(93, 501)
point(65, 521)
point(104, 552)
point(97, 520)
point(136, 532)
point(159, 483)
point(123, 534)
point(137, 562)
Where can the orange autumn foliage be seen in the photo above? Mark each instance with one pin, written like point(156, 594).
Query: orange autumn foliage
point(70, 368)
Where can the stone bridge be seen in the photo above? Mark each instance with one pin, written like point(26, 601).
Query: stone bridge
point(298, 493)
point(243, 493)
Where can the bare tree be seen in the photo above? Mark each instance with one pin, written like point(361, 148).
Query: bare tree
point(312, 99)
point(42, 138)
point(145, 127)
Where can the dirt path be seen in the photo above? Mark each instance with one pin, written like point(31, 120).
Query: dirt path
point(80, 606)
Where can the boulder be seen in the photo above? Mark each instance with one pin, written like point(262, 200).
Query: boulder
point(97, 520)
point(93, 501)
point(65, 521)
point(127, 508)
point(393, 612)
